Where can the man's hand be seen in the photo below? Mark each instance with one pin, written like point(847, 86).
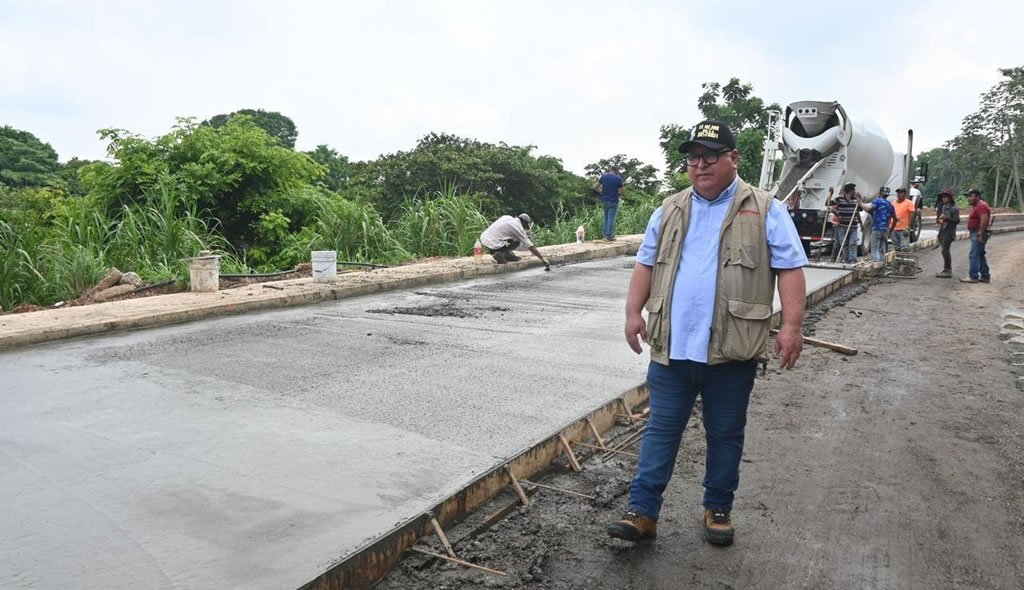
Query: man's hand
point(788, 344)
point(547, 264)
point(636, 326)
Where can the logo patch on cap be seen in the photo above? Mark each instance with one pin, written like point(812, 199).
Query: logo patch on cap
point(706, 131)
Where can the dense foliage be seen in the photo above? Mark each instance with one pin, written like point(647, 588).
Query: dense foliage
point(747, 116)
point(986, 154)
point(235, 185)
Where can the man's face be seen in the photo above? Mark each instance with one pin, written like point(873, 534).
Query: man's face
point(973, 199)
point(901, 197)
point(711, 179)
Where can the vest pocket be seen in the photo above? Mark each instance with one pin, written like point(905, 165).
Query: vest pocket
point(743, 255)
point(745, 331)
point(655, 322)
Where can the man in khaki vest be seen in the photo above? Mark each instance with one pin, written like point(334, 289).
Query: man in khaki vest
point(706, 275)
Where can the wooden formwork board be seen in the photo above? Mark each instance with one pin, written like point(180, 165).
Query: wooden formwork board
point(370, 563)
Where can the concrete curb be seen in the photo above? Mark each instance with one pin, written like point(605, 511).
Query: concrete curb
point(17, 330)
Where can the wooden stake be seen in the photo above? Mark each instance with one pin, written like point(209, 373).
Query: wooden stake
point(440, 534)
point(606, 449)
point(847, 350)
point(625, 406)
point(568, 450)
point(597, 435)
point(553, 488)
point(518, 488)
point(458, 561)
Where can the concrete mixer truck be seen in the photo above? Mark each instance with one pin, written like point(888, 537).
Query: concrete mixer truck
point(823, 147)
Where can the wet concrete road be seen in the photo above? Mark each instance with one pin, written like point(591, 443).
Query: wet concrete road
point(255, 451)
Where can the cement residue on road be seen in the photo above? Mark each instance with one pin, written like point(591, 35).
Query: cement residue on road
point(447, 309)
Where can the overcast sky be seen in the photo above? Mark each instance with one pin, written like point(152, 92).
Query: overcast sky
point(580, 80)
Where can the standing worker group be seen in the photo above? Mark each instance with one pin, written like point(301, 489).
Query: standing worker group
point(706, 274)
point(611, 189)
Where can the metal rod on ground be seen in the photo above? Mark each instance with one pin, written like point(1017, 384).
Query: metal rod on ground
point(568, 451)
point(874, 310)
point(629, 440)
point(605, 449)
point(440, 534)
point(597, 435)
point(518, 488)
point(458, 561)
point(553, 488)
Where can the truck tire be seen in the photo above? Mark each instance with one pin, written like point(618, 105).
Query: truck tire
point(915, 227)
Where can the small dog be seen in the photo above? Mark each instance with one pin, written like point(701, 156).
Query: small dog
point(579, 234)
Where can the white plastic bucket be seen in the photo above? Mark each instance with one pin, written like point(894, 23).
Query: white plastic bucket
point(204, 274)
point(325, 266)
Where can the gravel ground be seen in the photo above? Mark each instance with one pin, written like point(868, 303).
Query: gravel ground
point(901, 467)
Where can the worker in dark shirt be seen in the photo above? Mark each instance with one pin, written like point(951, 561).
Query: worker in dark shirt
point(949, 218)
point(845, 206)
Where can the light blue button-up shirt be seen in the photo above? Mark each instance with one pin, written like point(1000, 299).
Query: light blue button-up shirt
point(693, 295)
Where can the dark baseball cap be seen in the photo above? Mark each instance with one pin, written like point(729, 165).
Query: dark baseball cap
point(973, 191)
point(947, 191)
point(714, 135)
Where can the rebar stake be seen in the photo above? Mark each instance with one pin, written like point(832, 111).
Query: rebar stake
point(553, 488)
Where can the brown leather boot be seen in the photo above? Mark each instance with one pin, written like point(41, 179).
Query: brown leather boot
point(718, 526)
point(634, 527)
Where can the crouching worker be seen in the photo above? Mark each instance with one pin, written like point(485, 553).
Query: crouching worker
point(507, 234)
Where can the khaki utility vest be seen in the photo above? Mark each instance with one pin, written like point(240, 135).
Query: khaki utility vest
point(745, 284)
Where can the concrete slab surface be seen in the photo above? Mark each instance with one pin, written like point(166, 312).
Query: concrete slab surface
point(256, 451)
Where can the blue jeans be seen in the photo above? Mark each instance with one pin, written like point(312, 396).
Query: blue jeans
point(901, 240)
point(850, 249)
point(610, 209)
point(979, 264)
point(879, 244)
point(725, 391)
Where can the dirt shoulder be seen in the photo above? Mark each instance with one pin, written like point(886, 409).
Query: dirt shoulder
point(20, 329)
point(901, 467)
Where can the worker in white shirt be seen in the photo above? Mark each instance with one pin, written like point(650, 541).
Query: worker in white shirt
point(507, 234)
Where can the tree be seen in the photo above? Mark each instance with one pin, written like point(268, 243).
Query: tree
point(274, 123)
point(337, 166)
point(745, 114)
point(505, 178)
point(635, 174)
point(69, 176)
point(25, 160)
point(237, 172)
point(1000, 122)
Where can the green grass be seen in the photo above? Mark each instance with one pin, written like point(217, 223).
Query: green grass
point(155, 237)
